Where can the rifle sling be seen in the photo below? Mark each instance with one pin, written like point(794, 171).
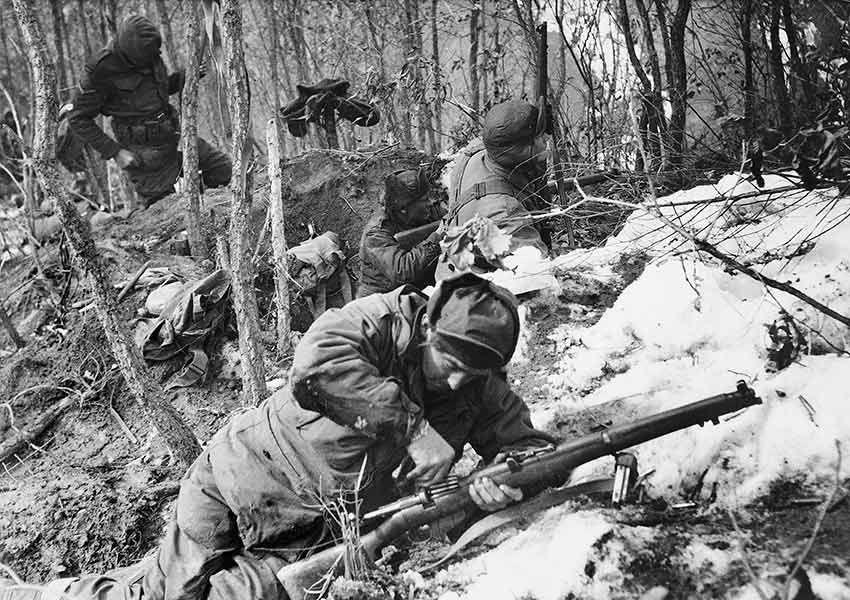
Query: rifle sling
point(545, 500)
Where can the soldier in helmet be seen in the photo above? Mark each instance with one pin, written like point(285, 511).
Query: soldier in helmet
point(505, 178)
point(128, 81)
point(385, 263)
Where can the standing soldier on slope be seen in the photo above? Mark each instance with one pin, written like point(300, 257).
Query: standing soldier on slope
point(128, 81)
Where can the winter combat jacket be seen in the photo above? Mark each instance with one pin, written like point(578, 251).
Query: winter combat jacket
point(356, 390)
point(386, 265)
point(136, 96)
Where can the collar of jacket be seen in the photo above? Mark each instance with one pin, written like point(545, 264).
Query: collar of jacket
point(125, 63)
point(388, 223)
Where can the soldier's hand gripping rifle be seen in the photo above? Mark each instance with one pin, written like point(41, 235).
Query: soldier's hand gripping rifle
point(550, 126)
point(549, 466)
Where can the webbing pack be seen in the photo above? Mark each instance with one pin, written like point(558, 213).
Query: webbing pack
point(490, 185)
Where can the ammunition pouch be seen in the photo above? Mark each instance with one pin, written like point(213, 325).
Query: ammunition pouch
point(159, 129)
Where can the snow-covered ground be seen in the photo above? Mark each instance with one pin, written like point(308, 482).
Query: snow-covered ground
point(686, 329)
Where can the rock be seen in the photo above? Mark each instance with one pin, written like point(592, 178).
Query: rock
point(101, 219)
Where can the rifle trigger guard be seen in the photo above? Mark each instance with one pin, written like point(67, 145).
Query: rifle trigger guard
point(513, 464)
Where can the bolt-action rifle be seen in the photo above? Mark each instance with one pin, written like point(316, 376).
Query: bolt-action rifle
point(549, 466)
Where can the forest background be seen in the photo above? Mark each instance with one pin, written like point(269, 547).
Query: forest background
point(705, 76)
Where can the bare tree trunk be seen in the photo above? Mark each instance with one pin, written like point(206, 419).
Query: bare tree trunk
point(69, 54)
point(438, 86)
point(472, 61)
point(281, 281)
point(84, 26)
point(189, 132)
point(276, 53)
point(177, 436)
point(56, 11)
point(679, 89)
point(778, 72)
point(7, 55)
point(403, 88)
point(112, 7)
point(747, 49)
point(664, 31)
point(378, 44)
point(297, 40)
point(800, 80)
point(645, 120)
point(244, 299)
point(657, 119)
point(101, 10)
point(168, 33)
point(497, 69)
point(484, 51)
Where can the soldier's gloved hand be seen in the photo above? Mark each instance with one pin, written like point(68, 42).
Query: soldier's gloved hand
point(126, 159)
point(432, 455)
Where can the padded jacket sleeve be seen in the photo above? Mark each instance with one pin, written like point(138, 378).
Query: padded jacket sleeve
point(338, 371)
point(504, 423)
point(400, 266)
point(90, 98)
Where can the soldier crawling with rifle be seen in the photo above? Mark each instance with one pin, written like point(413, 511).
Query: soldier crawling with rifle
point(385, 391)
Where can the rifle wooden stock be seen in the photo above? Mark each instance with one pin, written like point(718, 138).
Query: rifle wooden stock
point(550, 468)
point(411, 237)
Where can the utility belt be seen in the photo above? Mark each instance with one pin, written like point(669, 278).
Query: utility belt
point(160, 128)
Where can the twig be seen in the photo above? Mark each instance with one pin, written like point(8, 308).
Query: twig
point(745, 557)
point(826, 505)
point(784, 287)
point(11, 574)
point(121, 423)
point(132, 283)
point(24, 438)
